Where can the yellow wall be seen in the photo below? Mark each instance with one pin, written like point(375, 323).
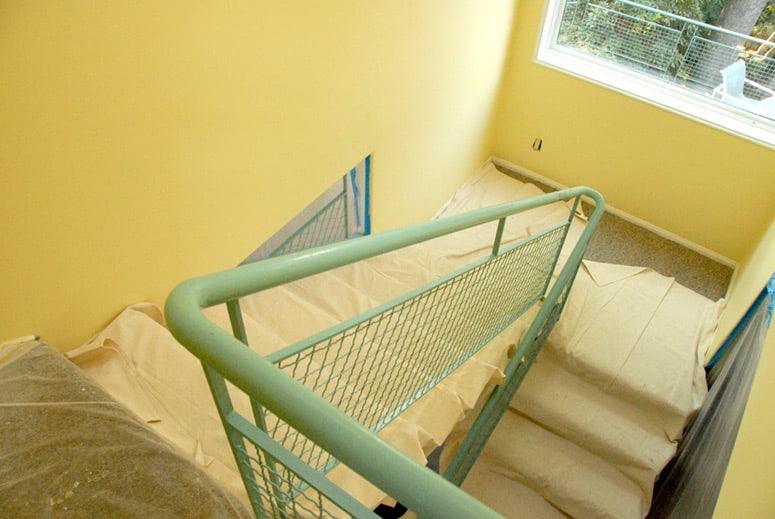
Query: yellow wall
point(750, 279)
point(699, 183)
point(146, 142)
point(747, 490)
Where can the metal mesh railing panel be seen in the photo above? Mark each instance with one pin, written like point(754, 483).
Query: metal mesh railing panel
point(704, 59)
point(673, 48)
point(361, 374)
point(329, 225)
point(502, 395)
point(376, 368)
point(631, 39)
point(277, 492)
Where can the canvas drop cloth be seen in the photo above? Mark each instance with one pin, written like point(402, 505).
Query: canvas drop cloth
point(608, 370)
point(602, 409)
point(138, 361)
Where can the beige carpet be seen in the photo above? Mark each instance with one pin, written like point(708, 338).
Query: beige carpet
point(618, 241)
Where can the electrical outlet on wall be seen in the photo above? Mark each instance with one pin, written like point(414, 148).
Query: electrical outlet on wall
point(537, 143)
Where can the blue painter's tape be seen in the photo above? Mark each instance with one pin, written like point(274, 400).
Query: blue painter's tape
point(356, 196)
point(367, 196)
point(771, 306)
point(767, 292)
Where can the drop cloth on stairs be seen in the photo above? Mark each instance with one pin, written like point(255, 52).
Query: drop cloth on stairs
point(601, 411)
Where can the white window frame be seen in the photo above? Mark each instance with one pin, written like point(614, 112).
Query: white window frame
point(640, 86)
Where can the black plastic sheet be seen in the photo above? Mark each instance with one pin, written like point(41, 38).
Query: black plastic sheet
point(690, 485)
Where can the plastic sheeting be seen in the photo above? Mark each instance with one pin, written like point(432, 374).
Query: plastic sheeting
point(70, 450)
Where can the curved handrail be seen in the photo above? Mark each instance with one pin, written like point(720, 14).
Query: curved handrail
point(356, 446)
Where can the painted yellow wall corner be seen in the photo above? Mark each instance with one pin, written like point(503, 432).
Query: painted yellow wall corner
point(747, 490)
point(697, 182)
point(708, 187)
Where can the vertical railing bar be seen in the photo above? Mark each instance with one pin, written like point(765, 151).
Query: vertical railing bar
point(312, 221)
point(348, 195)
point(259, 413)
point(496, 244)
point(568, 224)
point(309, 478)
point(367, 195)
point(237, 323)
point(225, 407)
point(238, 329)
point(532, 341)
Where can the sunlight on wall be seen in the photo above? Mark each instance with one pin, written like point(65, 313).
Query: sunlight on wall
point(699, 183)
point(692, 180)
point(149, 142)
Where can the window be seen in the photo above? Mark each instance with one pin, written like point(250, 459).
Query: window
point(701, 71)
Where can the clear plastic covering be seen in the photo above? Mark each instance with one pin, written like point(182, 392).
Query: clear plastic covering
point(70, 450)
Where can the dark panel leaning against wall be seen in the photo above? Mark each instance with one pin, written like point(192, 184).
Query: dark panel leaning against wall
point(689, 487)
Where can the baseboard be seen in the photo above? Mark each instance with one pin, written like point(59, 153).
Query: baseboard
point(663, 233)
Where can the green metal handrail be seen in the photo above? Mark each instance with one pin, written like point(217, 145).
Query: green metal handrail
point(356, 446)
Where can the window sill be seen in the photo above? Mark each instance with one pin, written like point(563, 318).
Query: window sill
point(670, 97)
